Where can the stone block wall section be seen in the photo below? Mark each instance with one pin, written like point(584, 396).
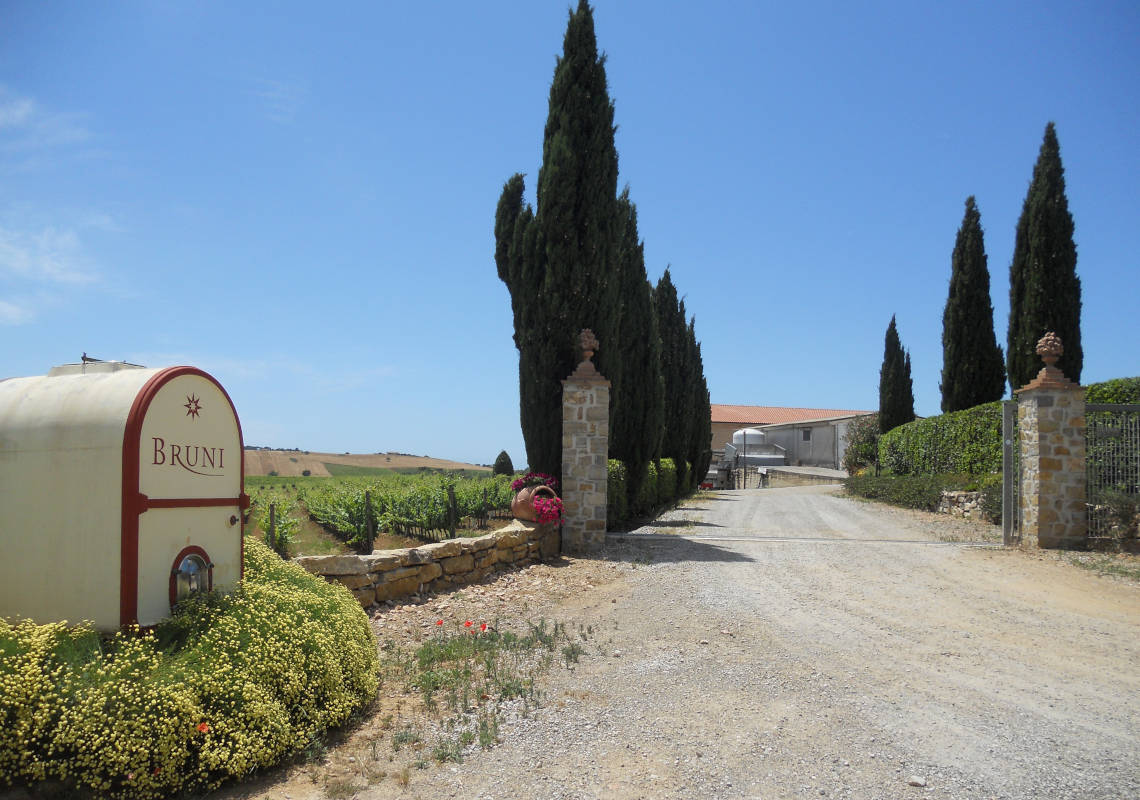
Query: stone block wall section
point(392, 574)
point(1051, 433)
point(961, 504)
point(585, 450)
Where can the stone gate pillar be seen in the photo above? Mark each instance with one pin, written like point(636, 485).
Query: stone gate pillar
point(585, 451)
point(1051, 434)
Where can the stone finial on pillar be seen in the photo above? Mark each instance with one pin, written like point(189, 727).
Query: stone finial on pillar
point(585, 452)
point(1051, 441)
point(1050, 348)
point(588, 344)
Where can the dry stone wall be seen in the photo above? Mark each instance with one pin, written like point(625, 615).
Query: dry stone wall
point(961, 504)
point(392, 574)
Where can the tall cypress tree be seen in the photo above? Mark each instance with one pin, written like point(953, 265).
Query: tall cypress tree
point(1044, 290)
point(896, 390)
point(700, 435)
point(674, 369)
point(638, 401)
point(558, 261)
point(972, 367)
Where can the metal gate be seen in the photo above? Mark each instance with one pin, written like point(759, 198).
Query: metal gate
point(1010, 475)
point(1112, 465)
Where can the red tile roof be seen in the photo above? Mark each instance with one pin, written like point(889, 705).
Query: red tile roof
point(769, 415)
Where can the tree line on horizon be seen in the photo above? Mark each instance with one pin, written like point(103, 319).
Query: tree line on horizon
point(1044, 295)
point(576, 261)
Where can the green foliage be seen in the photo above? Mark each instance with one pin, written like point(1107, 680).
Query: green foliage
point(559, 262)
point(285, 521)
point(964, 442)
point(576, 261)
point(972, 368)
point(1118, 391)
point(910, 491)
point(617, 498)
point(637, 407)
point(227, 686)
point(403, 504)
point(896, 391)
point(862, 440)
point(646, 499)
point(924, 492)
point(675, 353)
point(503, 465)
point(1044, 290)
point(666, 482)
point(699, 450)
point(991, 489)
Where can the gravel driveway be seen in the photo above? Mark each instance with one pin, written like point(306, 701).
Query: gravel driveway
point(798, 643)
point(795, 643)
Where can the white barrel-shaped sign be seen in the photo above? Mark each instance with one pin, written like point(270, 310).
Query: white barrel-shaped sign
point(121, 491)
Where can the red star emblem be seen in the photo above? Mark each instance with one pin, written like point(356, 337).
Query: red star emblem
point(192, 405)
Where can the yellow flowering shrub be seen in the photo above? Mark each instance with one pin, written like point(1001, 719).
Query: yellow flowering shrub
point(227, 686)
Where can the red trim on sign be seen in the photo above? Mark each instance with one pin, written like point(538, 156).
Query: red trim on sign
point(135, 502)
point(192, 550)
point(193, 502)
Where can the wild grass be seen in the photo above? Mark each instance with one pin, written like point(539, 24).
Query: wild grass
point(467, 677)
point(1119, 565)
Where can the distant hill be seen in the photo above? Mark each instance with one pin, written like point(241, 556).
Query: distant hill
point(294, 462)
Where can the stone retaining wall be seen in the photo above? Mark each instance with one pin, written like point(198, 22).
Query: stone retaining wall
point(782, 479)
point(391, 574)
point(961, 504)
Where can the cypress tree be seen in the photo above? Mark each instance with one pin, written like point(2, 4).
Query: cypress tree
point(700, 435)
point(503, 465)
point(972, 366)
point(674, 370)
point(896, 391)
point(558, 261)
point(1044, 290)
point(638, 400)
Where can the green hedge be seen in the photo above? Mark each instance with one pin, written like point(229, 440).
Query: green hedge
point(684, 489)
point(925, 491)
point(964, 441)
point(666, 482)
point(1124, 391)
point(646, 499)
point(617, 504)
point(660, 489)
point(970, 440)
point(229, 685)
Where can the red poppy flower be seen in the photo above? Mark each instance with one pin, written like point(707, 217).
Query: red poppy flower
point(483, 627)
point(439, 622)
point(468, 624)
point(203, 727)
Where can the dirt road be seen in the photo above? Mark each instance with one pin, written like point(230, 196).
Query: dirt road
point(796, 643)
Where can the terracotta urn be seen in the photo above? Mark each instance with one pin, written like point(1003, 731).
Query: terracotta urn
point(522, 507)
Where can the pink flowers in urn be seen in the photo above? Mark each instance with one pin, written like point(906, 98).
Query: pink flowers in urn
point(535, 479)
point(548, 510)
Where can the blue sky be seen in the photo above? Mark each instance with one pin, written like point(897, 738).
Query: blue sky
point(299, 198)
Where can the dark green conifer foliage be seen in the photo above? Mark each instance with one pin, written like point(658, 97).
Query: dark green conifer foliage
point(637, 404)
point(896, 391)
point(503, 465)
point(700, 437)
point(558, 261)
point(1044, 290)
point(675, 370)
point(973, 371)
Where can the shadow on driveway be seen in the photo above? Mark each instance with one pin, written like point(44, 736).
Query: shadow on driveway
point(642, 547)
